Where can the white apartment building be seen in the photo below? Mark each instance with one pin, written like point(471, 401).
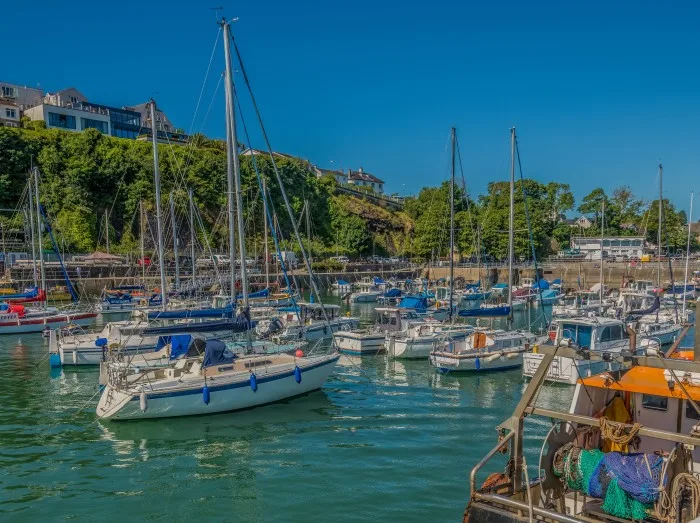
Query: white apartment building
point(20, 95)
point(76, 118)
point(631, 247)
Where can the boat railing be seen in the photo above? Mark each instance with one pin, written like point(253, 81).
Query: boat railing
point(495, 450)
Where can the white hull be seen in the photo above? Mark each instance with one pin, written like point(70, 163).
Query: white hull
point(359, 343)
point(409, 348)
point(364, 297)
point(566, 370)
point(28, 325)
point(482, 363)
point(228, 393)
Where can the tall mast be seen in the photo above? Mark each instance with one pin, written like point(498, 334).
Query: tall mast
point(38, 230)
point(175, 254)
point(232, 147)
point(511, 222)
point(267, 252)
point(661, 207)
point(142, 225)
point(687, 256)
point(192, 233)
point(231, 161)
point(602, 236)
point(308, 226)
point(159, 218)
point(107, 230)
point(452, 223)
point(31, 228)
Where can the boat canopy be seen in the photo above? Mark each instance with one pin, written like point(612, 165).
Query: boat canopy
point(500, 286)
point(654, 307)
point(179, 345)
point(258, 294)
point(414, 302)
point(474, 285)
point(343, 283)
point(556, 282)
point(217, 353)
point(392, 293)
point(542, 284)
point(222, 312)
point(379, 281)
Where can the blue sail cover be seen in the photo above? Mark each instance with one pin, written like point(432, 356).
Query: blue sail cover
point(179, 344)
point(217, 353)
point(542, 284)
point(225, 312)
point(379, 281)
point(419, 303)
point(485, 312)
point(115, 300)
point(392, 293)
point(29, 293)
point(343, 283)
point(229, 325)
point(473, 285)
point(642, 312)
point(556, 282)
point(259, 294)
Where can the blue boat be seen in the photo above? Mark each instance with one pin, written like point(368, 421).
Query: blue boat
point(485, 312)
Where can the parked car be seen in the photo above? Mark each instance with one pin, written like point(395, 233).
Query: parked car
point(144, 262)
point(220, 260)
point(341, 259)
point(394, 259)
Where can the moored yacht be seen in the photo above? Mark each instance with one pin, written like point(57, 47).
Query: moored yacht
point(371, 340)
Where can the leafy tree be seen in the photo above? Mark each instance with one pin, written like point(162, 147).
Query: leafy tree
point(592, 203)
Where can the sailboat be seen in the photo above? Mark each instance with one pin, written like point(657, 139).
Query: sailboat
point(488, 349)
point(211, 378)
point(16, 318)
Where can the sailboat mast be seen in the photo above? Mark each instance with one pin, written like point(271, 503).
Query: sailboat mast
point(511, 222)
point(159, 217)
point(192, 238)
point(232, 146)
point(30, 207)
point(175, 253)
point(308, 227)
point(107, 230)
point(42, 267)
point(452, 223)
point(661, 207)
point(602, 236)
point(231, 156)
point(265, 225)
point(142, 224)
point(687, 255)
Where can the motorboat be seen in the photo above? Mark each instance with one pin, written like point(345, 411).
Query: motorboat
point(16, 319)
point(211, 379)
point(592, 335)
point(627, 448)
point(312, 321)
point(482, 350)
point(371, 340)
point(417, 340)
point(369, 295)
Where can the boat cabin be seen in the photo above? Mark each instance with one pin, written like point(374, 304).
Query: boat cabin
point(392, 319)
point(594, 334)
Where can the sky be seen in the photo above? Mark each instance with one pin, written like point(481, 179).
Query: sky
point(599, 92)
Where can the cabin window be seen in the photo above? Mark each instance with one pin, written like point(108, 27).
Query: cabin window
point(690, 411)
point(581, 334)
point(392, 321)
point(649, 401)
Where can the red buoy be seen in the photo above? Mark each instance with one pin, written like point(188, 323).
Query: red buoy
point(300, 353)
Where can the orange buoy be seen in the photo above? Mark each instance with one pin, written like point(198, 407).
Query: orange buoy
point(300, 353)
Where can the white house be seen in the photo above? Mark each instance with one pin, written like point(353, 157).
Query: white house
point(9, 113)
point(629, 246)
point(363, 179)
point(22, 96)
point(340, 176)
point(70, 118)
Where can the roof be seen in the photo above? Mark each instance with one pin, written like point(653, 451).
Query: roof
point(363, 176)
point(250, 152)
point(102, 256)
point(644, 380)
point(332, 172)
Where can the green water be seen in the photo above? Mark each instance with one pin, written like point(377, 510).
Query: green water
point(382, 441)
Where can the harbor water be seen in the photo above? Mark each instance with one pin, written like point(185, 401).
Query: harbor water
point(384, 440)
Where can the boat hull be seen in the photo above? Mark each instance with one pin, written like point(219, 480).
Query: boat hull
point(28, 325)
point(566, 370)
point(225, 397)
point(447, 363)
point(316, 332)
point(359, 343)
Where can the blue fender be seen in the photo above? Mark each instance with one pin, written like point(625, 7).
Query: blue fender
point(297, 374)
point(205, 395)
point(253, 382)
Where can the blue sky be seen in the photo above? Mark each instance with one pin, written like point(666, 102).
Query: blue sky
point(599, 91)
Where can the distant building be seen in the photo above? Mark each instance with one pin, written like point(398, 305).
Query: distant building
point(258, 152)
point(363, 179)
point(581, 221)
point(9, 113)
point(631, 247)
point(70, 118)
point(65, 97)
point(21, 96)
point(340, 176)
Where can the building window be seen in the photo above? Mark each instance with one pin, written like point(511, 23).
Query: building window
point(89, 123)
point(65, 121)
point(73, 100)
point(8, 91)
point(10, 113)
point(649, 401)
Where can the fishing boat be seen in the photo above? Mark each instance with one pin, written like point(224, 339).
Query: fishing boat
point(211, 379)
point(602, 336)
point(313, 321)
point(371, 340)
point(482, 350)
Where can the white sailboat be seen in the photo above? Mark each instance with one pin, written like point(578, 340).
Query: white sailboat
point(215, 379)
